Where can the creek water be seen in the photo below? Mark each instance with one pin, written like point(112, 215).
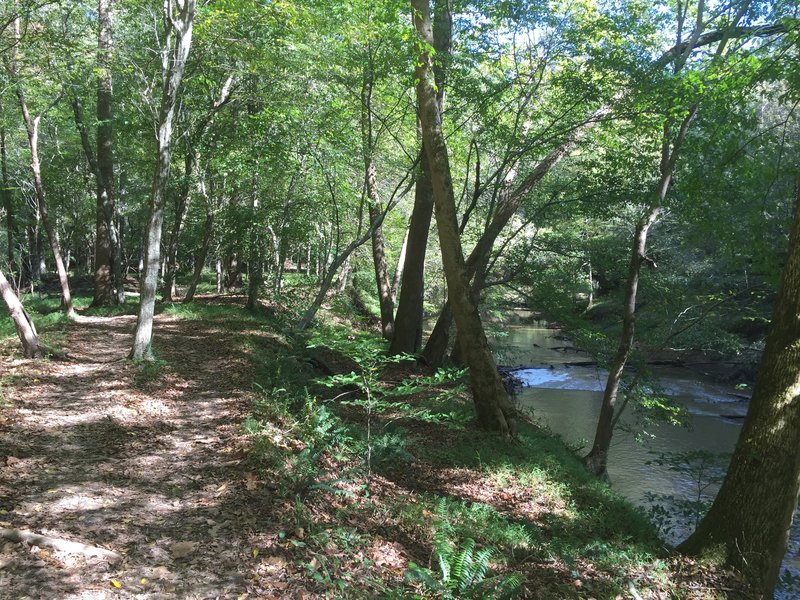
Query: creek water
point(566, 398)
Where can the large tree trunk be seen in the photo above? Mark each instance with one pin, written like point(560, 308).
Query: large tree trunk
point(108, 254)
point(106, 200)
point(407, 338)
point(178, 26)
point(507, 207)
point(752, 513)
point(493, 407)
point(22, 321)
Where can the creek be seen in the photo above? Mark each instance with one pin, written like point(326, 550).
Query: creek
point(566, 398)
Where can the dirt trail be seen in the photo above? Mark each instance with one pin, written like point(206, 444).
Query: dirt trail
point(142, 461)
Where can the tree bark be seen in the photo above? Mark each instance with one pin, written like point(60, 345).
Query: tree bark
point(507, 207)
point(752, 513)
point(200, 259)
point(398, 269)
point(8, 200)
point(106, 200)
point(178, 17)
point(32, 128)
point(22, 321)
point(597, 459)
point(493, 407)
point(181, 207)
point(368, 141)
point(407, 338)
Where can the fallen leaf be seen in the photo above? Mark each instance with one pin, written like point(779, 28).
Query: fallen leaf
point(182, 549)
point(116, 584)
point(255, 552)
point(251, 481)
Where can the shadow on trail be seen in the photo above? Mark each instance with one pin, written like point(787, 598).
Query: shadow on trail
point(142, 460)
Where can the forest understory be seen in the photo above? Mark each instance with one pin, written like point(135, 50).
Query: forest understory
point(231, 468)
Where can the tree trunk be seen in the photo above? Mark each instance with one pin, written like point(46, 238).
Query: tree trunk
point(408, 322)
point(507, 207)
point(597, 459)
point(8, 200)
point(398, 269)
point(106, 200)
point(410, 306)
point(493, 407)
point(368, 142)
point(32, 127)
point(174, 55)
point(200, 260)
point(181, 207)
point(752, 513)
point(22, 321)
point(255, 264)
point(382, 277)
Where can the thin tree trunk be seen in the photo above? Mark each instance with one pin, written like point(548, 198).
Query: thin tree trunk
point(382, 277)
point(399, 267)
point(181, 207)
point(22, 321)
point(178, 26)
point(200, 260)
point(32, 127)
point(493, 407)
point(368, 142)
point(752, 514)
point(255, 265)
point(8, 199)
point(597, 459)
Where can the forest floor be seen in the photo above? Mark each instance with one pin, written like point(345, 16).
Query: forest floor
point(207, 486)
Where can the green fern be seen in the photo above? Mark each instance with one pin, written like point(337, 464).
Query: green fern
point(463, 571)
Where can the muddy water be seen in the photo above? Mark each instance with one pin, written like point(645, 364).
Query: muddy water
point(566, 398)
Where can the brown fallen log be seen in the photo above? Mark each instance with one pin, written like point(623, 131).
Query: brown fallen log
point(58, 544)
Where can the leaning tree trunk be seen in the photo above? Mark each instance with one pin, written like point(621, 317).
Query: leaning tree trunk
point(478, 260)
point(22, 321)
point(176, 51)
point(493, 407)
point(597, 459)
point(752, 513)
point(32, 128)
point(407, 337)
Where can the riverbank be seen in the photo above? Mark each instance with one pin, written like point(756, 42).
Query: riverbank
point(313, 483)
